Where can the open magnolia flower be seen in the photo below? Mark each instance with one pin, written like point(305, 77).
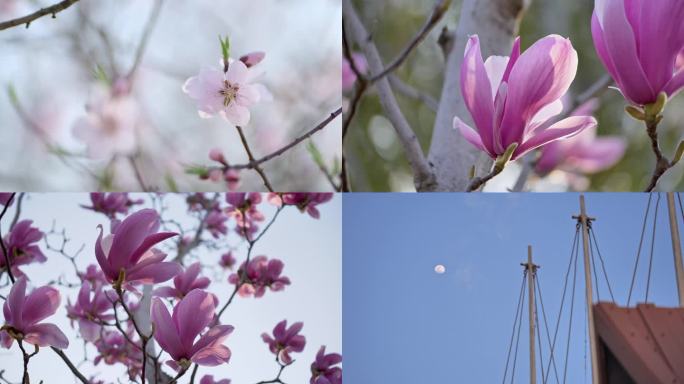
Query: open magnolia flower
point(227, 93)
point(184, 282)
point(23, 315)
point(176, 333)
point(285, 340)
point(127, 255)
point(22, 247)
point(512, 100)
point(639, 43)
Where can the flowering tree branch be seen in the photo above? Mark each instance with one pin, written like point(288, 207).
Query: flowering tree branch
point(423, 174)
point(496, 23)
point(252, 160)
point(28, 19)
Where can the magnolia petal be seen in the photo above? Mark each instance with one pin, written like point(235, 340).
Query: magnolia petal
point(602, 153)
point(165, 332)
point(471, 136)
point(675, 84)
point(15, 303)
point(46, 334)
point(192, 314)
point(477, 90)
point(215, 335)
point(155, 273)
point(567, 127)
point(212, 356)
point(129, 235)
point(40, 303)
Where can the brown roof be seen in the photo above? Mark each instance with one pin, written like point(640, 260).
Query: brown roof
point(647, 342)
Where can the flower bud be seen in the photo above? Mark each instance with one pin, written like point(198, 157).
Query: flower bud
point(216, 155)
point(253, 58)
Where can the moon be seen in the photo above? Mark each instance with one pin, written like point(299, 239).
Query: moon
point(440, 269)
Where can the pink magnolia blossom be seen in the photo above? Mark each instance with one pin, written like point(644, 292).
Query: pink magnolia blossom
point(584, 153)
point(209, 379)
point(128, 250)
point(323, 369)
point(243, 207)
point(113, 348)
point(184, 283)
point(348, 75)
point(93, 275)
point(285, 340)
point(261, 274)
point(227, 260)
point(176, 333)
point(216, 223)
point(512, 99)
point(229, 94)
point(638, 42)
point(5, 197)
point(111, 203)
point(21, 246)
point(23, 315)
point(89, 311)
point(109, 128)
point(306, 202)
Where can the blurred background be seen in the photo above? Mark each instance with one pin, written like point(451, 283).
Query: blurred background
point(375, 157)
point(314, 269)
point(49, 72)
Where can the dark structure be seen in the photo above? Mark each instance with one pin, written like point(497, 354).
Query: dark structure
point(642, 345)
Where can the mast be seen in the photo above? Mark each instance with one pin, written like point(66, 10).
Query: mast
point(676, 247)
point(531, 276)
point(585, 221)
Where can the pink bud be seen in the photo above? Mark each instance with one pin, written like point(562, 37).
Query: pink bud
point(215, 174)
point(216, 155)
point(232, 177)
point(253, 58)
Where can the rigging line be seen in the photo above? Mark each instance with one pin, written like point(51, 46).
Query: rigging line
point(603, 265)
point(517, 312)
point(650, 260)
point(593, 266)
point(641, 242)
point(517, 341)
point(585, 343)
point(572, 308)
point(548, 334)
point(575, 249)
point(536, 323)
point(681, 208)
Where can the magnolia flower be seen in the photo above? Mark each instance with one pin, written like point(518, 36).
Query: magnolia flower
point(227, 260)
point(184, 282)
point(111, 203)
point(511, 100)
point(323, 370)
point(209, 379)
point(229, 94)
point(176, 333)
point(306, 202)
point(21, 246)
point(285, 341)
point(128, 251)
point(261, 273)
point(216, 224)
point(113, 348)
point(638, 43)
point(348, 75)
point(109, 128)
point(23, 313)
point(93, 275)
point(89, 312)
point(584, 153)
point(243, 207)
point(5, 197)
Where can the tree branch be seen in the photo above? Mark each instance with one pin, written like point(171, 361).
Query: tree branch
point(28, 19)
point(422, 171)
point(252, 160)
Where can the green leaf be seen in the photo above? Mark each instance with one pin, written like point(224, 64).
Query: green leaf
point(100, 74)
point(225, 47)
point(315, 154)
point(171, 183)
point(198, 170)
point(12, 93)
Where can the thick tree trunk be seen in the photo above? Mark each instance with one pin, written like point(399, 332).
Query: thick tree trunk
point(496, 22)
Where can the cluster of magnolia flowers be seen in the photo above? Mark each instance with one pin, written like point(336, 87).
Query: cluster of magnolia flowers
point(515, 100)
point(129, 256)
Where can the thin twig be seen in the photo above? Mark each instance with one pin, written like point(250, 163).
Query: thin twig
point(252, 160)
point(138, 174)
point(439, 10)
point(662, 163)
point(2, 242)
point(28, 19)
point(149, 27)
point(71, 365)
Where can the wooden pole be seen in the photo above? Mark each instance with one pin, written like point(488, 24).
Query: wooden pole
point(586, 222)
point(676, 247)
point(531, 275)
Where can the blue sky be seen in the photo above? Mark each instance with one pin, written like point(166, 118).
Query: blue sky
point(403, 323)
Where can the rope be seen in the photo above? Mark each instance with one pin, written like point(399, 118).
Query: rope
point(650, 261)
point(572, 307)
point(517, 312)
point(593, 265)
point(517, 341)
point(536, 323)
point(575, 249)
point(548, 334)
point(603, 265)
point(641, 242)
